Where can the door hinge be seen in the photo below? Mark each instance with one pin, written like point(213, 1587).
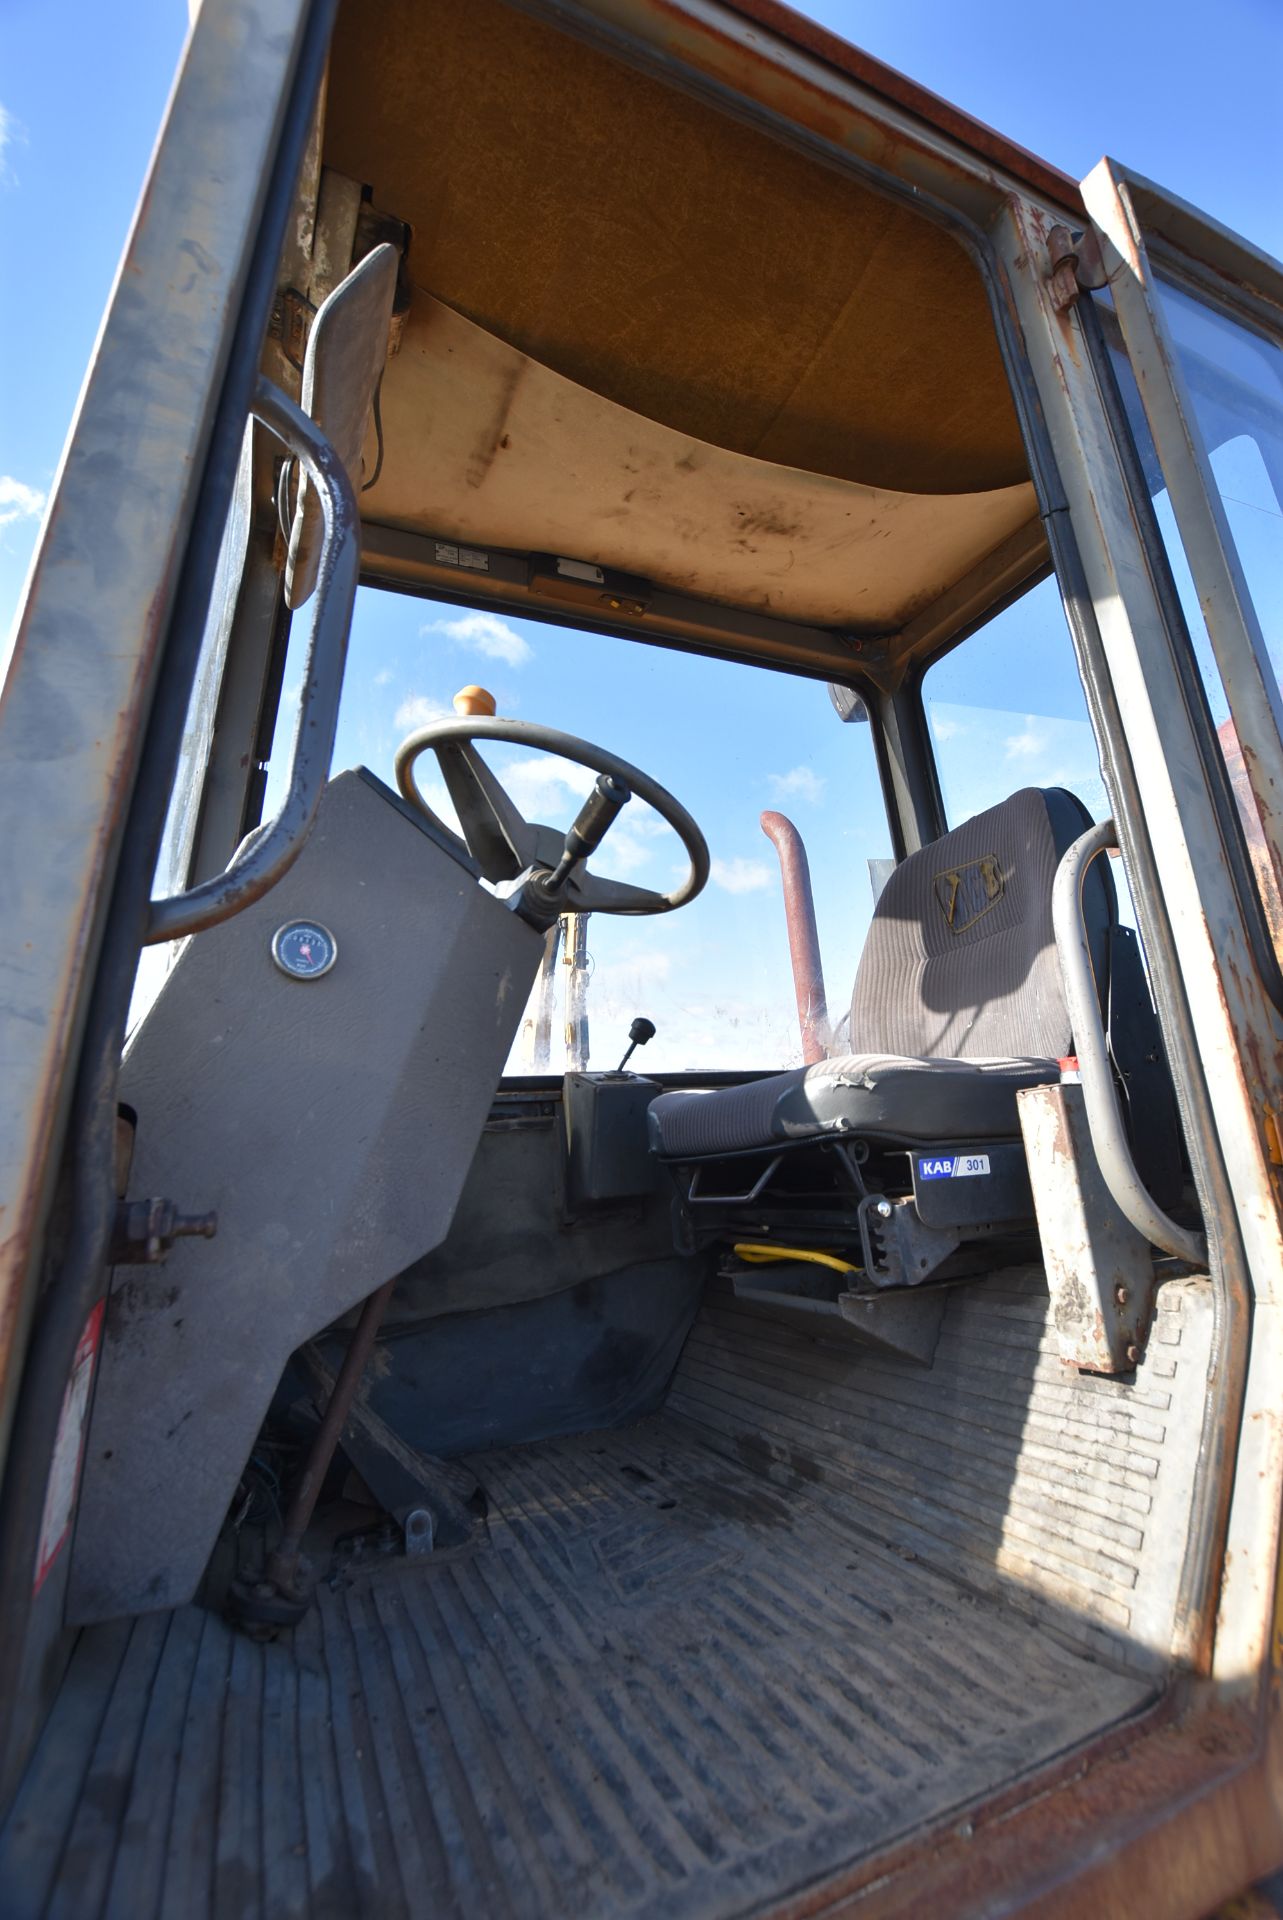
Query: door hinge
point(1075, 264)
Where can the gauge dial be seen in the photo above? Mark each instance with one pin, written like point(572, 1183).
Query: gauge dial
point(304, 949)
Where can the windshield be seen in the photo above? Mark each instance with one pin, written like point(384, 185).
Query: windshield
point(729, 742)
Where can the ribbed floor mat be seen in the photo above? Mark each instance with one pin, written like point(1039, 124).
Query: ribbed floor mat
point(659, 1686)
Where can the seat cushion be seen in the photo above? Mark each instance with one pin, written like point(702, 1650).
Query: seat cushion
point(878, 1094)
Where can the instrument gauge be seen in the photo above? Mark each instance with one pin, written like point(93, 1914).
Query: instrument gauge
point(304, 949)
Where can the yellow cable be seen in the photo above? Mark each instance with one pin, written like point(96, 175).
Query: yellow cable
point(758, 1255)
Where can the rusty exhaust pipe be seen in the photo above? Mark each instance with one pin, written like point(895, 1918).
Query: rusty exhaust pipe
point(804, 940)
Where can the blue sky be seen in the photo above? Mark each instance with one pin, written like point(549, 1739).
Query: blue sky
point(1186, 94)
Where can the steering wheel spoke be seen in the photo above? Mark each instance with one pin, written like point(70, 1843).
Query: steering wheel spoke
point(592, 893)
point(501, 841)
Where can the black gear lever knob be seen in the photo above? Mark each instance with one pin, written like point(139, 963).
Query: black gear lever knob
point(639, 1033)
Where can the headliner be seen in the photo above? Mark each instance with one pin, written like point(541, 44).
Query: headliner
point(684, 268)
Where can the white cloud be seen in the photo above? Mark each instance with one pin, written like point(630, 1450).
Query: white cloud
point(485, 633)
point(18, 501)
point(419, 711)
point(1024, 746)
point(643, 819)
point(547, 782)
point(946, 729)
point(11, 134)
point(741, 876)
point(385, 678)
point(799, 783)
point(622, 852)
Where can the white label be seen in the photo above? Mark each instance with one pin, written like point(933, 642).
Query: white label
point(952, 1166)
point(452, 556)
point(64, 1473)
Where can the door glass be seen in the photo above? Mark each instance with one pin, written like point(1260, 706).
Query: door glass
point(1006, 710)
point(1235, 380)
point(728, 741)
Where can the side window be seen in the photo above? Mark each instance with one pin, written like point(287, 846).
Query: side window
point(728, 741)
point(1235, 380)
point(1006, 710)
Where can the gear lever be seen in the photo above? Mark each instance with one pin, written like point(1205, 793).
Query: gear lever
point(639, 1033)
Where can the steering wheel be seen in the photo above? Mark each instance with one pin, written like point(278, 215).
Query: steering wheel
point(544, 864)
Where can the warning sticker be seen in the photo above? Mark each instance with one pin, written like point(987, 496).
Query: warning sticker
point(448, 555)
point(64, 1473)
point(952, 1166)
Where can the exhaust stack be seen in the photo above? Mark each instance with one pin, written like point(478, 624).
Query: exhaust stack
point(804, 940)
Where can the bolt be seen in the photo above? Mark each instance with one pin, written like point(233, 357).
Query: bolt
point(1133, 1354)
point(883, 1209)
point(1120, 1294)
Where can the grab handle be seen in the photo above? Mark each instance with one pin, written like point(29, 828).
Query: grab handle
point(1100, 1096)
point(269, 852)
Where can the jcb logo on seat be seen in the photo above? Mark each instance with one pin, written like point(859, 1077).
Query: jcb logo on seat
point(968, 891)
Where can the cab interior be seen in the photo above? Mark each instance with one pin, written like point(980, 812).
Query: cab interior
point(719, 1497)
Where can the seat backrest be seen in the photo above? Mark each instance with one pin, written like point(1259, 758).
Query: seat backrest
point(960, 962)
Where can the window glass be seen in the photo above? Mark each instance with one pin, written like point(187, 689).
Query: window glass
point(1006, 710)
point(728, 741)
point(1235, 380)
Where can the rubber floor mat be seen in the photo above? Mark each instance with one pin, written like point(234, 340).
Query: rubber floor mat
point(658, 1685)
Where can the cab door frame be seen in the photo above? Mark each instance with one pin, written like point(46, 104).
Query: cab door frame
point(91, 723)
point(249, 66)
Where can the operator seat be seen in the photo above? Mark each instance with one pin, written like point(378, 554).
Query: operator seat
point(957, 1005)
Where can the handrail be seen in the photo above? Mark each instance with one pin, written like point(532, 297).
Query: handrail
point(1100, 1096)
point(268, 853)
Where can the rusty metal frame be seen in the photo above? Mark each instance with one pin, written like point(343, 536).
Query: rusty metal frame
point(102, 584)
point(1171, 832)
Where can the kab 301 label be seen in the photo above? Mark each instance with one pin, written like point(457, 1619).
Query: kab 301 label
point(952, 1166)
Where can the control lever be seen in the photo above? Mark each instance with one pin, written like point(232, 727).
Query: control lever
point(597, 815)
point(639, 1033)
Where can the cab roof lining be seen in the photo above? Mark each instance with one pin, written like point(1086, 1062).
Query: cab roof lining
point(689, 271)
point(561, 470)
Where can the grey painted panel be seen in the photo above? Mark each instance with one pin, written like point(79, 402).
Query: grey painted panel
point(331, 1122)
